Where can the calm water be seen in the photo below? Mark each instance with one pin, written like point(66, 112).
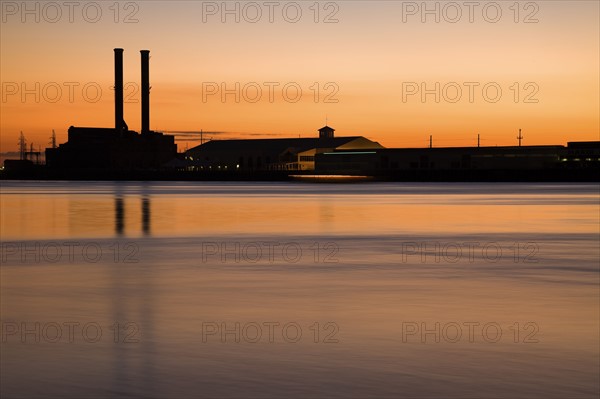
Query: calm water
point(299, 290)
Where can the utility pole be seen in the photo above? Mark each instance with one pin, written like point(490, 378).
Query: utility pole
point(32, 153)
point(22, 147)
point(520, 137)
point(430, 141)
point(478, 140)
point(53, 139)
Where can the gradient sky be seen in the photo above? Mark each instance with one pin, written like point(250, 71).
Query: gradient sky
point(369, 55)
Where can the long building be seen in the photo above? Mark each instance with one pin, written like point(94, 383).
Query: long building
point(576, 155)
point(357, 155)
point(286, 154)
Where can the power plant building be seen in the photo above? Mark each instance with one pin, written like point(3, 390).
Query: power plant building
point(116, 148)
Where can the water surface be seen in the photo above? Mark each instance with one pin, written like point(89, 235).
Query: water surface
point(299, 290)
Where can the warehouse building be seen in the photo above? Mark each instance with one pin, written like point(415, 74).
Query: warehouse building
point(285, 154)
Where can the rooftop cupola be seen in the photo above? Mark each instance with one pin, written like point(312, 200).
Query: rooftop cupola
point(326, 132)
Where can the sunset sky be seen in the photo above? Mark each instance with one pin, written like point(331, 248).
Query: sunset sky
point(366, 61)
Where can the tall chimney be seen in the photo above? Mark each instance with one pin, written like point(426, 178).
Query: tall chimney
point(145, 91)
point(119, 89)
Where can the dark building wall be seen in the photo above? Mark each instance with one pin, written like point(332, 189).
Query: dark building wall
point(18, 164)
point(465, 158)
point(100, 148)
point(581, 155)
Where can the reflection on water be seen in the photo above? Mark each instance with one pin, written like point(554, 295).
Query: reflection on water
point(120, 215)
point(419, 290)
point(94, 210)
point(146, 215)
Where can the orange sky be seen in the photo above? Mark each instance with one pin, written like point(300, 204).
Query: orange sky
point(373, 52)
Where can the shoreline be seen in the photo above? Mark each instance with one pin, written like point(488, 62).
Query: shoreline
point(590, 175)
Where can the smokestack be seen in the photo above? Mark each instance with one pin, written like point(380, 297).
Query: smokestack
point(119, 89)
point(145, 91)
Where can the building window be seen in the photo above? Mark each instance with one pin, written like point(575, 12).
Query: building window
point(305, 158)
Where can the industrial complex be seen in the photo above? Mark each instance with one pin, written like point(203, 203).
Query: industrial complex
point(119, 152)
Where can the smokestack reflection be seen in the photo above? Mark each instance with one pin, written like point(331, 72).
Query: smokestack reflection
point(119, 215)
point(146, 215)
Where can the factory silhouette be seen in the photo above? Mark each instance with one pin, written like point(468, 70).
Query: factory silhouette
point(119, 153)
point(116, 148)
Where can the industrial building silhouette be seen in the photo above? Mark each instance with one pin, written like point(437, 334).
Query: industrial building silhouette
point(93, 152)
point(116, 148)
point(510, 159)
point(285, 154)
